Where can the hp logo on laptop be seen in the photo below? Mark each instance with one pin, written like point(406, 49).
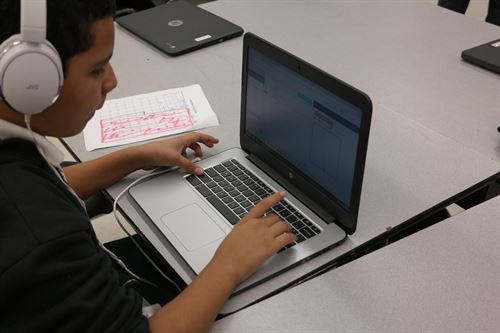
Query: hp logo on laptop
point(175, 23)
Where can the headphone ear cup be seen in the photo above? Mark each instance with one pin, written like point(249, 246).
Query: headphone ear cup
point(31, 75)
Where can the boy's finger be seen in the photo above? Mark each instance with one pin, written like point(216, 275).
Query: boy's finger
point(279, 228)
point(265, 204)
point(206, 139)
point(197, 149)
point(282, 240)
point(269, 220)
point(189, 166)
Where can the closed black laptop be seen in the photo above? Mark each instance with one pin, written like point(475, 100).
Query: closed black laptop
point(485, 55)
point(179, 27)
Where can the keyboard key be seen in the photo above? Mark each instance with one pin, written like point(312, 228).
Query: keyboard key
point(225, 174)
point(193, 180)
point(252, 186)
point(243, 177)
point(298, 225)
point(203, 190)
point(216, 189)
point(204, 178)
point(246, 203)
point(315, 229)
point(228, 188)
point(223, 183)
point(263, 196)
point(278, 207)
point(211, 172)
point(221, 194)
point(219, 205)
point(239, 210)
point(249, 182)
point(232, 205)
point(254, 198)
point(267, 188)
point(300, 238)
point(285, 213)
point(218, 179)
point(211, 184)
point(308, 233)
point(227, 199)
point(227, 163)
point(260, 192)
point(242, 188)
point(236, 183)
point(220, 168)
point(247, 193)
point(239, 198)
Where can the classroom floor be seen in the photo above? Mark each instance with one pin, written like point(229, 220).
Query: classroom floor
point(106, 227)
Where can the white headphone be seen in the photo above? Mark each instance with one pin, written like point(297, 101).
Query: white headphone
point(31, 72)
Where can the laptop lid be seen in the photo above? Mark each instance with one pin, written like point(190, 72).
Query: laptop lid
point(485, 55)
point(306, 128)
point(179, 27)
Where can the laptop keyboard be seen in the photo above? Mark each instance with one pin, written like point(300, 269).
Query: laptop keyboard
point(233, 190)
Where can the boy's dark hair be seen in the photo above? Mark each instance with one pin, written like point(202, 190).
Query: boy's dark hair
point(68, 23)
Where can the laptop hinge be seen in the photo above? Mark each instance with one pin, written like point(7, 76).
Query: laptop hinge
point(292, 189)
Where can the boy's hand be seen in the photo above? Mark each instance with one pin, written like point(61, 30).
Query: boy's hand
point(253, 240)
point(172, 152)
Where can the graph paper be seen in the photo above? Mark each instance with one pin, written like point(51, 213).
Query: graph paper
point(147, 116)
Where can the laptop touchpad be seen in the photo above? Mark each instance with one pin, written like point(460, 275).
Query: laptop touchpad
point(192, 227)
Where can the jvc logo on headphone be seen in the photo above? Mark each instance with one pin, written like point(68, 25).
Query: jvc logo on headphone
point(33, 87)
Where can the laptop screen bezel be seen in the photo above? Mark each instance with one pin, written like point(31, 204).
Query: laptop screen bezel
point(345, 217)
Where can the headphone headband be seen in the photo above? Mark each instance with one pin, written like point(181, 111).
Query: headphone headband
point(33, 20)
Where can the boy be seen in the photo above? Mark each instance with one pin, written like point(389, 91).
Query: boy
point(54, 276)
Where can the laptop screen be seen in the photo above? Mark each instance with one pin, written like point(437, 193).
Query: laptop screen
point(310, 127)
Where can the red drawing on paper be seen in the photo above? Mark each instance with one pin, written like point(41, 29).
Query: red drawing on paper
point(145, 124)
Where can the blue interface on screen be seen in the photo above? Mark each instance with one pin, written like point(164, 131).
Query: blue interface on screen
point(310, 127)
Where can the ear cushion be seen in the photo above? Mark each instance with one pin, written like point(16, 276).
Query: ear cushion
point(31, 75)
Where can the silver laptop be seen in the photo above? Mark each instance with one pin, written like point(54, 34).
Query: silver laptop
point(303, 131)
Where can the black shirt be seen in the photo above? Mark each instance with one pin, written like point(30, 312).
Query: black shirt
point(54, 277)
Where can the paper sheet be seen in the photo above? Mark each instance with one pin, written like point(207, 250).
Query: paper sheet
point(148, 116)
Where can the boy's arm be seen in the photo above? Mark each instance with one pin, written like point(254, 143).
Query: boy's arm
point(90, 177)
point(252, 241)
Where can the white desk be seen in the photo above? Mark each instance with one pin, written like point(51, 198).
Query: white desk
point(410, 167)
point(442, 279)
point(404, 54)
